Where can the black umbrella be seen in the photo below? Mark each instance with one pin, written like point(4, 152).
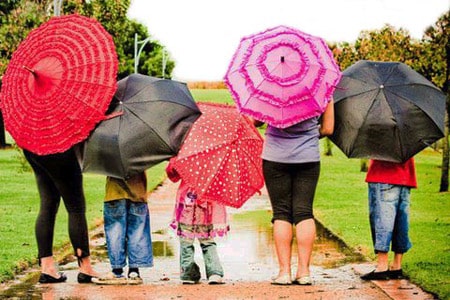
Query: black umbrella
point(149, 119)
point(386, 111)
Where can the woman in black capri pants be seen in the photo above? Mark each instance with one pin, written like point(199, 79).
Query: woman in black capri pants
point(59, 176)
point(291, 166)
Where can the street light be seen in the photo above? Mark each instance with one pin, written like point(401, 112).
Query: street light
point(57, 7)
point(164, 62)
point(137, 53)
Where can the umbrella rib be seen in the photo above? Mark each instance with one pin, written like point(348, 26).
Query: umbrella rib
point(362, 125)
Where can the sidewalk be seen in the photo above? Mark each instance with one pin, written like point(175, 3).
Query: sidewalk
point(248, 269)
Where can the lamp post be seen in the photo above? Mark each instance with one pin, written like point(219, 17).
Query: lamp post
point(137, 52)
point(164, 62)
point(57, 7)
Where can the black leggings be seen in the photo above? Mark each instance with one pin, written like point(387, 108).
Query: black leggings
point(59, 175)
point(291, 189)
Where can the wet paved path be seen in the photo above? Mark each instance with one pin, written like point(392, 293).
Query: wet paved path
point(248, 259)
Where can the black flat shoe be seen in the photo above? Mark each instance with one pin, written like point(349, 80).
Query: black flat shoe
point(45, 278)
point(84, 278)
point(396, 274)
point(385, 275)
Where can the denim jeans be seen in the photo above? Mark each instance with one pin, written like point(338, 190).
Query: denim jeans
point(127, 230)
point(189, 269)
point(389, 217)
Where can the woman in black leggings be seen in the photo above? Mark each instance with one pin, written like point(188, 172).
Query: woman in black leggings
point(59, 176)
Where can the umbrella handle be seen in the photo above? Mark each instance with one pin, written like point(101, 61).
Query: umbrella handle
point(113, 115)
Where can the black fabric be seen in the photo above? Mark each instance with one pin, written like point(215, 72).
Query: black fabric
point(156, 115)
point(386, 111)
point(59, 176)
point(291, 189)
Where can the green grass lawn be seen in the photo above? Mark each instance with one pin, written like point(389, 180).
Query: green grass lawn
point(341, 205)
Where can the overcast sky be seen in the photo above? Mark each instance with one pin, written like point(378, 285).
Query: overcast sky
point(201, 36)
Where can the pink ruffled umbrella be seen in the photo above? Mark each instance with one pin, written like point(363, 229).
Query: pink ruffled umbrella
point(59, 84)
point(282, 76)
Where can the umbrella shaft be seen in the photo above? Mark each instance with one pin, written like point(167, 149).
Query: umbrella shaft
point(28, 69)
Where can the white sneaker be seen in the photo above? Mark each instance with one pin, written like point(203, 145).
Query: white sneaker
point(110, 279)
point(215, 279)
point(189, 281)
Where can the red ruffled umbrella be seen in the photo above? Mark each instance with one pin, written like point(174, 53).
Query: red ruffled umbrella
point(59, 84)
point(282, 76)
point(220, 158)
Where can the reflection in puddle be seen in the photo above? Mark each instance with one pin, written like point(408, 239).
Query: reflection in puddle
point(250, 241)
point(162, 249)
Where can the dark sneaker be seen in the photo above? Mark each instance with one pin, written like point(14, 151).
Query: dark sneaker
point(385, 275)
point(134, 278)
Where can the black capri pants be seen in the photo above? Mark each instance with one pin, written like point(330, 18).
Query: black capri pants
point(291, 188)
point(59, 176)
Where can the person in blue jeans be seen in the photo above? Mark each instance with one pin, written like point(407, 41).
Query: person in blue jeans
point(127, 229)
point(389, 186)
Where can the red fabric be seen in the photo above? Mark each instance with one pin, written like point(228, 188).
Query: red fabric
point(392, 173)
point(221, 156)
point(59, 84)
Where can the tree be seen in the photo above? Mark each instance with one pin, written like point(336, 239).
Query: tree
point(385, 44)
point(20, 16)
point(435, 65)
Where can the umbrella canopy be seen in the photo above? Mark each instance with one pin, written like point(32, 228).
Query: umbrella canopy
point(386, 111)
point(150, 118)
point(282, 76)
point(59, 84)
point(221, 156)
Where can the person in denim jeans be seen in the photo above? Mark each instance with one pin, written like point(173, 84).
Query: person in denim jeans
point(389, 201)
point(202, 220)
point(127, 229)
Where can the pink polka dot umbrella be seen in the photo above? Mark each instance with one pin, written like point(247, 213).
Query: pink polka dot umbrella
point(221, 156)
point(282, 76)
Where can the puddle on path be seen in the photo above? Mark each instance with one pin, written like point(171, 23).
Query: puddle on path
point(250, 245)
point(247, 254)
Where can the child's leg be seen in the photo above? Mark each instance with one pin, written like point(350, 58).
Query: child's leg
point(114, 213)
point(400, 239)
point(139, 241)
point(189, 270)
point(211, 257)
point(383, 206)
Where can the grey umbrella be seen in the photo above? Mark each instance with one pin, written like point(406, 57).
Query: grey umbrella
point(386, 111)
point(148, 120)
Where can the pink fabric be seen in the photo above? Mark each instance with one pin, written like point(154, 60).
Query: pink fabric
point(282, 76)
point(192, 211)
point(59, 84)
point(221, 156)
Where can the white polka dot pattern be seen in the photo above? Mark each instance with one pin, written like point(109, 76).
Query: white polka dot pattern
point(221, 156)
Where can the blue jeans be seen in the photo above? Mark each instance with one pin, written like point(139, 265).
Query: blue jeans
point(189, 269)
point(127, 230)
point(389, 217)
